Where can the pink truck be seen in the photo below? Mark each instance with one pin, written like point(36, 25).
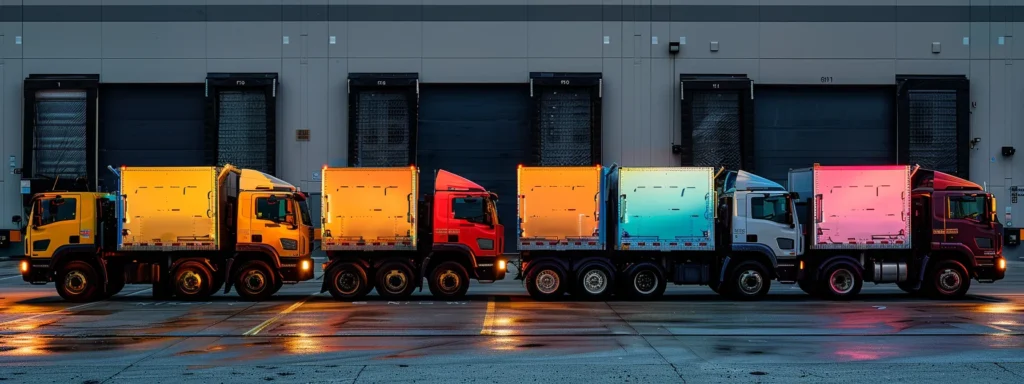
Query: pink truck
point(926, 231)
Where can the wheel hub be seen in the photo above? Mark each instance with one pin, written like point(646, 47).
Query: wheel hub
point(949, 280)
point(547, 282)
point(841, 281)
point(75, 282)
point(395, 280)
point(595, 281)
point(189, 282)
point(448, 281)
point(645, 282)
point(751, 281)
point(255, 281)
point(347, 283)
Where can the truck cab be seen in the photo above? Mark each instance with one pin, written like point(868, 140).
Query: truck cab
point(957, 217)
point(465, 219)
point(763, 228)
point(58, 223)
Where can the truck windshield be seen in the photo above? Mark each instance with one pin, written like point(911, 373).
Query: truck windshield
point(967, 208)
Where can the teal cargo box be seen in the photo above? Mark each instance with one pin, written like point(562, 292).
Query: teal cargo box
point(664, 209)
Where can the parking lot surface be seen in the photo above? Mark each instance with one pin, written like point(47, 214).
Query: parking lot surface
point(499, 334)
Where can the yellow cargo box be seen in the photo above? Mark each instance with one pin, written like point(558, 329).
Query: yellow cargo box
point(369, 209)
point(170, 208)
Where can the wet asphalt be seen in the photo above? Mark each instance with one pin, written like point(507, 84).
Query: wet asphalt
point(498, 334)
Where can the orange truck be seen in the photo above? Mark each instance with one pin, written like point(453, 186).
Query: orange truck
point(378, 233)
point(185, 230)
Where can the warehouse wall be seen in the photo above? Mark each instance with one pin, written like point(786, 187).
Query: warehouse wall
point(501, 41)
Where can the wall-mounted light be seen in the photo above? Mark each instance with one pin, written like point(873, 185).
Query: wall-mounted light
point(1009, 151)
point(975, 141)
point(673, 47)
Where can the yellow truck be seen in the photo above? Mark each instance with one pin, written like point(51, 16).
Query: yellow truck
point(185, 230)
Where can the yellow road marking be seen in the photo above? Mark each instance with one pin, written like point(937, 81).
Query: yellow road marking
point(272, 320)
point(488, 328)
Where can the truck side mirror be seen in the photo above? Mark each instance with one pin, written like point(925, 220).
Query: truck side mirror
point(16, 219)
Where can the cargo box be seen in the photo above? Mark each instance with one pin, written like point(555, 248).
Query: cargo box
point(858, 207)
point(369, 209)
point(664, 209)
point(560, 208)
point(169, 208)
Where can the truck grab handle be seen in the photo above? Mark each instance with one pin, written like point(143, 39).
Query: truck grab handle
point(209, 204)
point(408, 208)
point(818, 212)
point(597, 206)
point(622, 208)
point(522, 209)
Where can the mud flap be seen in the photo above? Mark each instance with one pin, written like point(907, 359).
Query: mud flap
point(920, 274)
point(423, 273)
point(721, 274)
point(327, 268)
point(228, 278)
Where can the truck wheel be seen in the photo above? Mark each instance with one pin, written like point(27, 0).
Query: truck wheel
point(948, 280)
point(254, 281)
point(192, 281)
point(347, 281)
point(448, 280)
point(841, 282)
point(545, 282)
point(78, 282)
point(749, 281)
point(594, 282)
point(395, 280)
point(278, 284)
point(645, 281)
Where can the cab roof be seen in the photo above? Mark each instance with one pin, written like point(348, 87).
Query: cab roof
point(251, 179)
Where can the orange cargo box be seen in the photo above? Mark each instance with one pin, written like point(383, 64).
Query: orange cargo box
point(368, 209)
point(559, 208)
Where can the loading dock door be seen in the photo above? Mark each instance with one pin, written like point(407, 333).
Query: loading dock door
point(382, 119)
point(151, 125)
point(716, 121)
point(934, 122)
point(59, 132)
point(480, 132)
point(566, 123)
point(796, 127)
point(241, 118)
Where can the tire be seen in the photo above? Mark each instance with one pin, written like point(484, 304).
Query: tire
point(192, 281)
point(449, 280)
point(277, 287)
point(841, 281)
point(545, 282)
point(594, 282)
point(948, 280)
point(347, 281)
point(749, 281)
point(78, 282)
point(644, 282)
point(254, 281)
point(395, 280)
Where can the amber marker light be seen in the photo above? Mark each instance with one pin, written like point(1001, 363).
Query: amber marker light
point(24, 266)
point(801, 264)
point(306, 265)
point(501, 265)
point(1002, 264)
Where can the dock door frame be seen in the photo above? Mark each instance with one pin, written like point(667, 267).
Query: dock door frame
point(258, 82)
point(34, 83)
point(361, 85)
point(690, 85)
point(588, 82)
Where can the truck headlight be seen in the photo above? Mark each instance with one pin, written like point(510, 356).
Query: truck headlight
point(1002, 264)
point(289, 244)
point(501, 265)
point(24, 266)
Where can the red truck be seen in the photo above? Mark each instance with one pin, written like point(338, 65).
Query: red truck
point(927, 231)
point(378, 234)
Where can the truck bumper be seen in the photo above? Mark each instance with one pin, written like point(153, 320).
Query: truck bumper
point(492, 271)
point(298, 269)
point(35, 271)
point(991, 271)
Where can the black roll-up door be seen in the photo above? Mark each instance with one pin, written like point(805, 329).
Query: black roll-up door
point(566, 122)
point(383, 110)
point(151, 125)
point(799, 126)
point(59, 134)
point(716, 121)
point(480, 132)
point(934, 122)
point(241, 116)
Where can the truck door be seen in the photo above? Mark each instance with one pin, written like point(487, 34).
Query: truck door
point(771, 222)
point(54, 223)
point(275, 223)
point(474, 225)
